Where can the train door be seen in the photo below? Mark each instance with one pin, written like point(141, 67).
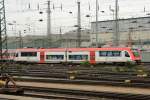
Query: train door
point(109, 57)
point(126, 56)
point(92, 57)
point(42, 56)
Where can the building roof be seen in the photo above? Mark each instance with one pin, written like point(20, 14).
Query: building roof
point(134, 24)
point(125, 19)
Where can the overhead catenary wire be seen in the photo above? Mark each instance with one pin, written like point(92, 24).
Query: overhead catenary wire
point(39, 6)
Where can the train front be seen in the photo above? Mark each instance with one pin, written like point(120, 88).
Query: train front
point(137, 55)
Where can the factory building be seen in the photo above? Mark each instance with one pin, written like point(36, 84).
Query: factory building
point(70, 39)
point(66, 40)
point(133, 32)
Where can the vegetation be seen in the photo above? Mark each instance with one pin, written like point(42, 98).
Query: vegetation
point(86, 63)
point(130, 65)
point(3, 68)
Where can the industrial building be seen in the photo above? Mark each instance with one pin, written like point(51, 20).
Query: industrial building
point(66, 40)
point(133, 32)
point(70, 39)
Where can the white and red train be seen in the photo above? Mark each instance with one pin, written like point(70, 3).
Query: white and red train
point(75, 55)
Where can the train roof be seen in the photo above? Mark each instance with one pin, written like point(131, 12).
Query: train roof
point(41, 49)
point(55, 49)
point(27, 49)
point(95, 49)
point(71, 49)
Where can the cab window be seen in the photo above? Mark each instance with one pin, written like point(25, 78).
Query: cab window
point(127, 54)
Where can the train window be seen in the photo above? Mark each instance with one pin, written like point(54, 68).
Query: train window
point(127, 54)
point(16, 54)
point(28, 54)
point(102, 53)
point(116, 53)
point(78, 57)
point(55, 57)
point(109, 53)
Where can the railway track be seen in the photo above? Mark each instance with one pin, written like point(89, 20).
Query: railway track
point(40, 93)
point(82, 76)
point(64, 94)
point(39, 70)
point(17, 97)
point(85, 95)
point(106, 81)
point(4, 99)
point(79, 74)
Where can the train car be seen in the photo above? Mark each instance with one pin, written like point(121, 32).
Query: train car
point(8, 56)
point(117, 55)
point(78, 55)
point(33, 55)
point(11, 54)
point(27, 55)
point(54, 55)
point(103, 55)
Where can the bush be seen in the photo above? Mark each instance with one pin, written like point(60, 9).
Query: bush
point(130, 64)
point(86, 63)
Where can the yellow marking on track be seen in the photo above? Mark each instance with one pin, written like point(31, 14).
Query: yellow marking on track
point(2, 82)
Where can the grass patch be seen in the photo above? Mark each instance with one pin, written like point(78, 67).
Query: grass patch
point(86, 63)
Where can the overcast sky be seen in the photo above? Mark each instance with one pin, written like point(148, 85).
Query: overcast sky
point(24, 14)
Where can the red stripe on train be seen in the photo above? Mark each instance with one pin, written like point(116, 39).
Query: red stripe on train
point(42, 56)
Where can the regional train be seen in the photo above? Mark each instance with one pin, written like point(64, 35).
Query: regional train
point(75, 55)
